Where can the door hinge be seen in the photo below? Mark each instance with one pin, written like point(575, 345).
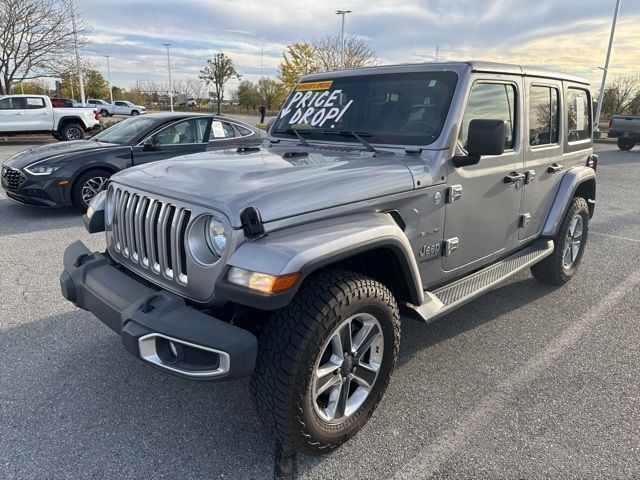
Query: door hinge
point(454, 192)
point(529, 176)
point(525, 218)
point(450, 245)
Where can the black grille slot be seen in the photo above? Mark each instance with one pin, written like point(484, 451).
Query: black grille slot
point(12, 179)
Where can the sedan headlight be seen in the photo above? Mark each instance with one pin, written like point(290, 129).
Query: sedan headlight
point(42, 169)
point(216, 236)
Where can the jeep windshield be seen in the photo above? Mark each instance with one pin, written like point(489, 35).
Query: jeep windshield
point(396, 108)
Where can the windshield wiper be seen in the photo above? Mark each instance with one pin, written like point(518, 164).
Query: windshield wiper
point(357, 135)
point(294, 131)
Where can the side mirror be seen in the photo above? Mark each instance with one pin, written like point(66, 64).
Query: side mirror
point(149, 144)
point(486, 137)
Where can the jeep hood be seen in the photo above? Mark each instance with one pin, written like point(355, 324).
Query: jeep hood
point(279, 184)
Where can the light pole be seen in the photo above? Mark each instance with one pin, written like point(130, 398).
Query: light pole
point(342, 13)
point(74, 24)
point(170, 83)
point(606, 66)
point(109, 79)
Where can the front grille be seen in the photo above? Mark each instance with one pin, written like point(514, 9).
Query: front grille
point(12, 179)
point(151, 233)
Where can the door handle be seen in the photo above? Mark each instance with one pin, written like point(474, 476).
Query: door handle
point(514, 177)
point(555, 168)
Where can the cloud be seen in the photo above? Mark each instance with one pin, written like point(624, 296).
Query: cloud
point(570, 35)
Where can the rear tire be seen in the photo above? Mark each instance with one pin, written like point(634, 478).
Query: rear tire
point(72, 131)
point(104, 113)
point(559, 267)
point(625, 144)
point(85, 185)
point(309, 396)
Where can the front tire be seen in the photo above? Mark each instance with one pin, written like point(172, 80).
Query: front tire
point(87, 186)
point(325, 360)
point(134, 113)
point(569, 243)
point(625, 144)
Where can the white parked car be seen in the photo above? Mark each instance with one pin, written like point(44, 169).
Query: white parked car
point(106, 109)
point(26, 114)
point(123, 107)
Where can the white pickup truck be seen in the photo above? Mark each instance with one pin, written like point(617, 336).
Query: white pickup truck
point(26, 114)
point(626, 128)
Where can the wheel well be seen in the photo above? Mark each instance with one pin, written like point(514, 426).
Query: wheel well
point(587, 190)
point(67, 120)
point(381, 264)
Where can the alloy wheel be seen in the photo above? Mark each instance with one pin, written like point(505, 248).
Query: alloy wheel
point(347, 368)
point(572, 242)
point(92, 187)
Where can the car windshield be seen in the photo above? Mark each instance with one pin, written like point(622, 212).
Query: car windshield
point(396, 108)
point(125, 131)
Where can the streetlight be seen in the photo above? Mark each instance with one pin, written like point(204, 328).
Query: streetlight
point(606, 66)
point(109, 79)
point(343, 13)
point(170, 83)
point(74, 23)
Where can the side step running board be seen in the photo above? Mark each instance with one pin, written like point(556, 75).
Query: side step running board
point(445, 299)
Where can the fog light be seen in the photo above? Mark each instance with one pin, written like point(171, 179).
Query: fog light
point(263, 282)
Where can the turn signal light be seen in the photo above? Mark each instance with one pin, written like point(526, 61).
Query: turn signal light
point(262, 282)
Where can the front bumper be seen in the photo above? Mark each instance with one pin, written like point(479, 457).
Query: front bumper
point(39, 193)
point(156, 326)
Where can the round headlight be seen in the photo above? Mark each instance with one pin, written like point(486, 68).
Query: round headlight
point(216, 236)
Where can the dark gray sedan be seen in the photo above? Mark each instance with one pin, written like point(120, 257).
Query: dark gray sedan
point(72, 173)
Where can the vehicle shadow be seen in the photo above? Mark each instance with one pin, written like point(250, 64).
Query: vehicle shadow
point(16, 218)
point(522, 290)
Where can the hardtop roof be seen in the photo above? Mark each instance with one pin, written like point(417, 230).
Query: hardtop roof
point(473, 65)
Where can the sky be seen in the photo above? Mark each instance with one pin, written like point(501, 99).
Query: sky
point(567, 35)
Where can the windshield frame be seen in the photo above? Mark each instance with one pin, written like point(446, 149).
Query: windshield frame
point(390, 138)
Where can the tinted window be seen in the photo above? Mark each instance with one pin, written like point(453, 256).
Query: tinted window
point(35, 103)
point(398, 108)
point(543, 115)
point(125, 131)
point(244, 131)
point(579, 114)
point(121, 104)
point(12, 103)
point(491, 101)
point(220, 130)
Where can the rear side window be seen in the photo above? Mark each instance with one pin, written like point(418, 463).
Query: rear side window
point(491, 101)
point(35, 103)
point(543, 115)
point(244, 131)
point(579, 113)
point(221, 130)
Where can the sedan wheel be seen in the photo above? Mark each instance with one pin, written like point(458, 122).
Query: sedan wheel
point(91, 188)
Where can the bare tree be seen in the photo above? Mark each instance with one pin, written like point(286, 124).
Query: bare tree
point(35, 37)
point(623, 89)
point(328, 52)
point(218, 72)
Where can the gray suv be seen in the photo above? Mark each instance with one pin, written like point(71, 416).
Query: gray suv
point(400, 189)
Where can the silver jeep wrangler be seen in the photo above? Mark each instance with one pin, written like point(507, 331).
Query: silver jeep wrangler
point(399, 189)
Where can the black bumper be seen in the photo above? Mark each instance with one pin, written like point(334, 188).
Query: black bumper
point(148, 318)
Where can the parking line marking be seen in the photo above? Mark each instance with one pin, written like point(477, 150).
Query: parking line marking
point(427, 461)
point(618, 237)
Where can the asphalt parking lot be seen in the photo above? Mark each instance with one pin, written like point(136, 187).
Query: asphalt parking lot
point(529, 381)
